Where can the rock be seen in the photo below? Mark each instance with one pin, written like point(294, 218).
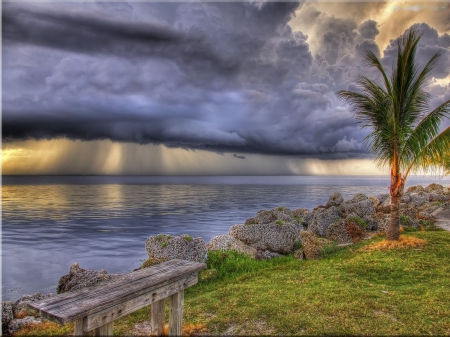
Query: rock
point(382, 197)
point(375, 201)
point(266, 255)
point(265, 217)
point(79, 278)
point(359, 197)
point(150, 262)
point(385, 206)
point(427, 210)
point(299, 254)
point(284, 210)
point(308, 218)
point(372, 224)
point(20, 306)
point(285, 218)
point(409, 217)
point(442, 212)
point(322, 219)
point(7, 314)
point(300, 213)
point(415, 189)
point(419, 198)
point(16, 324)
point(436, 188)
point(250, 221)
point(274, 237)
point(312, 245)
point(335, 200)
point(361, 208)
point(227, 242)
point(281, 213)
point(438, 197)
point(184, 247)
point(383, 221)
point(337, 231)
point(406, 198)
point(355, 231)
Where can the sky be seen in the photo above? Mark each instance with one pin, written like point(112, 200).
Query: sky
point(199, 88)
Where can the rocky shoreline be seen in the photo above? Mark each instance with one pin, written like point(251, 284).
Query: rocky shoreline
point(269, 234)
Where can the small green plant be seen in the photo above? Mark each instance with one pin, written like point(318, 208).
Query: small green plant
point(298, 219)
point(429, 225)
point(279, 223)
point(188, 238)
point(297, 245)
point(357, 220)
point(164, 244)
point(160, 237)
point(280, 209)
point(404, 220)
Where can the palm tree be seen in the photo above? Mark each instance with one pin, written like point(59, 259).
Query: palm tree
point(404, 130)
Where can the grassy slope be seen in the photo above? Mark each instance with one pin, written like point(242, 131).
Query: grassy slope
point(352, 291)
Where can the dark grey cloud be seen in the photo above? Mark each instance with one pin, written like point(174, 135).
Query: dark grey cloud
point(368, 29)
point(429, 44)
point(225, 77)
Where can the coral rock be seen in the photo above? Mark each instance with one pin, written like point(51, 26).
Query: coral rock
point(79, 278)
point(312, 245)
point(182, 247)
point(361, 208)
point(7, 314)
point(322, 219)
point(274, 237)
point(335, 200)
point(337, 231)
point(227, 242)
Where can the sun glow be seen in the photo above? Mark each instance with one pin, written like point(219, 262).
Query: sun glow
point(62, 156)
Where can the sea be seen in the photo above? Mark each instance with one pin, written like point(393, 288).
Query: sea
point(102, 222)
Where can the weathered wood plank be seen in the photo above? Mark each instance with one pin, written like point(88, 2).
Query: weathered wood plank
point(105, 330)
point(125, 308)
point(134, 276)
point(70, 306)
point(176, 314)
point(158, 318)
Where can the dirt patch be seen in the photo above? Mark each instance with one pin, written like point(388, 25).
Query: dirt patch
point(403, 242)
point(251, 328)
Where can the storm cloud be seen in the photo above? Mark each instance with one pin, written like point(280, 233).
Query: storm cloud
point(223, 77)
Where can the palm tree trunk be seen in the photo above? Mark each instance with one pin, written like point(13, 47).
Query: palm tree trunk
point(396, 191)
point(393, 231)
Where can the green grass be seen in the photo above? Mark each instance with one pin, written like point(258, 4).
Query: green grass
point(349, 291)
point(279, 222)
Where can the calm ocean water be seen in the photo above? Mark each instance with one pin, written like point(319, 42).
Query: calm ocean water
point(102, 222)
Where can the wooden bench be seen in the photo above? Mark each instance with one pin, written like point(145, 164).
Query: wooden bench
point(94, 309)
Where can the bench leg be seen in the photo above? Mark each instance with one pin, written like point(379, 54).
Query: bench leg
point(105, 330)
point(158, 317)
point(79, 331)
point(176, 314)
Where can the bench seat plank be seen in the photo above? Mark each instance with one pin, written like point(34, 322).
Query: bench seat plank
point(74, 305)
point(109, 315)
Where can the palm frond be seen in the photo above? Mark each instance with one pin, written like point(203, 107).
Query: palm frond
point(435, 155)
point(427, 129)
